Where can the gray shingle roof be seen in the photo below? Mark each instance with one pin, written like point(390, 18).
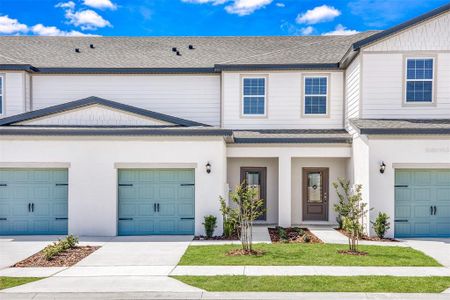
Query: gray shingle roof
point(292, 136)
point(402, 126)
point(156, 52)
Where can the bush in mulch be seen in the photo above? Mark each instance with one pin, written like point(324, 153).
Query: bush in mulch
point(233, 237)
point(368, 238)
point(292, 235)
point(62, 253)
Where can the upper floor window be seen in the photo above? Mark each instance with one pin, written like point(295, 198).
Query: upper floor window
point(1, 95)
point(254, 96)
point(316, 92)
point(419, 80)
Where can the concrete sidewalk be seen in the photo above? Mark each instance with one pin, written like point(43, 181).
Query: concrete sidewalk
point(225, 296)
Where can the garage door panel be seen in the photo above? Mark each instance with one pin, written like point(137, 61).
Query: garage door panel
point(156, 186)
point(43, 209)
point(417, 194)
point(19, 209)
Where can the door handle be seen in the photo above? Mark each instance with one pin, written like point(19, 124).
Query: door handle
point(435, 209)
point(154, 207)
point(29, 207)
point(32, 207)
point(431, 210)
point(157, 205)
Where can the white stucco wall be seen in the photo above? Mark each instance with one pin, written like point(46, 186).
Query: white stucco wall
point(234, 178)
point(93, 172)
point(401, 152)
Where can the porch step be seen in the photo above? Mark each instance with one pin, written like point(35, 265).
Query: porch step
point(328, 234)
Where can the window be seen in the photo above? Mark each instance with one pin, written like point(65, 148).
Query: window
point(1, 95)
point(316, 90)
point(254, 96)
point(419, 80)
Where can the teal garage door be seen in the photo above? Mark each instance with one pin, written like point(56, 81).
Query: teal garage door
point(156, 201)
point(33, 201)
point(422, 203)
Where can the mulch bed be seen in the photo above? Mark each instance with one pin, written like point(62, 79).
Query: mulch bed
point(368, 238)
point(349, 252)
point(240, 252)
point(65, 259)
point(216, 238)
point(293, 236)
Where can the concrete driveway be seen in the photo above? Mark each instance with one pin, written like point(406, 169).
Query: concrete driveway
point(438, 248)
point(122, 264)
point(16, 248)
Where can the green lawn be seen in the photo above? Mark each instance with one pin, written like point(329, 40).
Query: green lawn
point(373, 284)
point(306, 255)
point(9, 282)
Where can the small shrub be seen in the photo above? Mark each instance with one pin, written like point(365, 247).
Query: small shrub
point(229, 225)
point(381, 224)
point(306, 238)
point(300, 231)
point(282, 234)
point(210, 225)
point(72, 241)
point(60, 246)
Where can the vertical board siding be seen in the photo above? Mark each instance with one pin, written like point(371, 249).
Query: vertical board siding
point(14, 93)
point(353, 90)
point(430, 35)
point(192, 97)
point(383, 84)
point(284, 102)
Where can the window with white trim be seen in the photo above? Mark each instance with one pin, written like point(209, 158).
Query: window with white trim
point(316, 92)
point(254, 96)
point(419, 80)
point(1, 95)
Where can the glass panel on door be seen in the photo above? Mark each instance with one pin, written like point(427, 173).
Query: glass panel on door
point(315, 187)
point(253, 180)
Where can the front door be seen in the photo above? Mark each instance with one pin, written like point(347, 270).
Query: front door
point(256, 178)
point(315, 194)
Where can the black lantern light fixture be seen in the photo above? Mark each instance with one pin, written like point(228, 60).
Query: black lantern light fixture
point(208, 168)
point(382, 167)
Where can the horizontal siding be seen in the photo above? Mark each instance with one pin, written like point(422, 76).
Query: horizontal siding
point(383, 86)
point(284, 103)
point(14, 93)
point(191, 97)
point(431, 35)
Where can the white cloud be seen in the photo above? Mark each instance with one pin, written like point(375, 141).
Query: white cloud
point(246, 7)
point(214, 2)
point(11, 26)
point(279, 4)
point(100, 4)
point(318, 14)
point(238, 7)
point(307, 30)
point(68, 5)
point(87, 19)
point(40, 29)
point(341, 30)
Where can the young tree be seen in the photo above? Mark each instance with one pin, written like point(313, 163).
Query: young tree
point(247, 208)
point(352, 210)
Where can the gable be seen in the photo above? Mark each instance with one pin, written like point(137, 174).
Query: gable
point(431, 35)
point(95, 115)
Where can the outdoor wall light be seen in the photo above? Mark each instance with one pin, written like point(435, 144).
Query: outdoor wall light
point(382, 167)
point(208, 168)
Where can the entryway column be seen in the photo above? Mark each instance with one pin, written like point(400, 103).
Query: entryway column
point(284, 191)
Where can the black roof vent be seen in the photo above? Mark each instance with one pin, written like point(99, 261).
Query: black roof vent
point(92, 46)
point(178, 53)
point(77, 50)
point(191, 47)
point(174, 49)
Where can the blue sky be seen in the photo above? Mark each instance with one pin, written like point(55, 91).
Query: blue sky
point(204, 17)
